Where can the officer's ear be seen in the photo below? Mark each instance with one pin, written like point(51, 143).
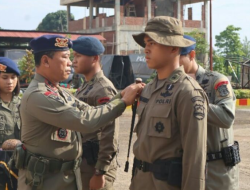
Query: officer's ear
point(96, 58)
point(45, 61)
point(176, 50)
point(192, 54)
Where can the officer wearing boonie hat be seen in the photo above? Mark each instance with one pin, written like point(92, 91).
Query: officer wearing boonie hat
point(170, 150)
point(50, 155)
point(9, 119)
point(220, 121)
point(98, 170)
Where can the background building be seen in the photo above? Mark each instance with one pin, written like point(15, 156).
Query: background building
point(130, 17)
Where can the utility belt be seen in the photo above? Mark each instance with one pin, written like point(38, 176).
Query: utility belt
point(39, 165)
point(164, 170)
point(230, 155)
point(90, 150)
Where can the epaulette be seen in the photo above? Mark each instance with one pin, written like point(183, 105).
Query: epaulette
point(193, 82)
point(41, 86)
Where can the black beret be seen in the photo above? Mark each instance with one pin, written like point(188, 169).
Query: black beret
point(8, 66)
point(50, 43)
point(187, 50)
point(88, 46)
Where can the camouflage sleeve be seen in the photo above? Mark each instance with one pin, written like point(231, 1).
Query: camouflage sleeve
point(192, 118)
point(222, 111)
point(109, 134)
point(78, 117)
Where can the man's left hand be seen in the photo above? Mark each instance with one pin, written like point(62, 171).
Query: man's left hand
point(97, 182)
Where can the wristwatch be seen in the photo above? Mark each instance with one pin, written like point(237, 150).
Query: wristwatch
point(99, 172)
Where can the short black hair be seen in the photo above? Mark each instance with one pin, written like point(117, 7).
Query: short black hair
point(38, 56)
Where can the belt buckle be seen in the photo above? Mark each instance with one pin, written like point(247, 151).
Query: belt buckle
point(142, 166)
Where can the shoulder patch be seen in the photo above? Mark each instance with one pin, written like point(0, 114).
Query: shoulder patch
point(219, 84)
point(103, 100)
point(199, 110)
point(222, 88)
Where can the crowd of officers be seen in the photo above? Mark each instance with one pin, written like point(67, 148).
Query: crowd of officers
point(70, 142)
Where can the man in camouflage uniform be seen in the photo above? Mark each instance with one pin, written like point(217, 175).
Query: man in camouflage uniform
point(50, 155)
point(170, 150)
point(220, 121)
point(100, 147)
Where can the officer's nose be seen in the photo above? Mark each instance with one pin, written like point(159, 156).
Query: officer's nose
point(69, 63)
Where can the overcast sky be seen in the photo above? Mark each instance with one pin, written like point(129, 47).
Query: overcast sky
point(27, 14)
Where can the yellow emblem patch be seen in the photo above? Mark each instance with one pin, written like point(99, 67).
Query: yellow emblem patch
point(61, 42)
point(3, 68)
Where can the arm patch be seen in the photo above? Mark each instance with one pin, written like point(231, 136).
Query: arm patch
point(103, 100)
point(220, 83)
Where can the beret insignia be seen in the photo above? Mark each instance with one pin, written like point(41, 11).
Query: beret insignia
point(3, 68)
point(61, 42)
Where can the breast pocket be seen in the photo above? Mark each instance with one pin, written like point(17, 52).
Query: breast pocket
point(160, 122)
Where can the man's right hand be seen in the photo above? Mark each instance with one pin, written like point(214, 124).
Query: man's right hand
point(130, 93)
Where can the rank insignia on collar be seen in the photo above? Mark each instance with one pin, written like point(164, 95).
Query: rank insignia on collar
point(205, 81)
point(87, 91)
point(61, 42)
point(198, 77)
point(3, 68)
point(54, 96)
point(159, 127)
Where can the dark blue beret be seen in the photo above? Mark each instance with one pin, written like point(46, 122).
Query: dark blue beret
point(8, 66)
point(187, 50)
point(88, 46)
point(50, 43)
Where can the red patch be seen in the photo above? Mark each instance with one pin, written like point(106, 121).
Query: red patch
point(49, 93)
point(50, 85)
point(219, 84)
point(103, 100)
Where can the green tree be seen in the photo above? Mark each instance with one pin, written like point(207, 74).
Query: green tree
point(228, 42)
point(201, 42)
point(219, 63)
point(201, 45)
point(27, 67)
point(230, 47)
point(246, 47)
point(56, 21)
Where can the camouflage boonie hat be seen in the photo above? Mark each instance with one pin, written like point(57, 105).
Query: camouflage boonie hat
point(164, 30)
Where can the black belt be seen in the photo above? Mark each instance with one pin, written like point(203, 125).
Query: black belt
point(152, 167)
point(54, 165)
point(214, 156)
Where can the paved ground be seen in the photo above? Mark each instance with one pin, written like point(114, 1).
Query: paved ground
point(242, 134)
